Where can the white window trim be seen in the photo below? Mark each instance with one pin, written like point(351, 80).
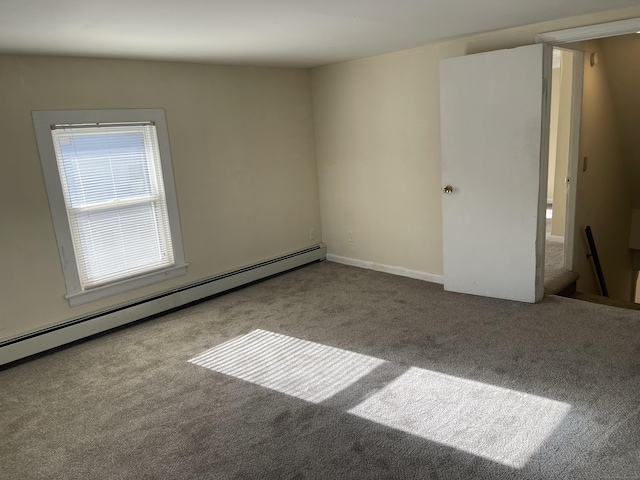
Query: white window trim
point(42, 121)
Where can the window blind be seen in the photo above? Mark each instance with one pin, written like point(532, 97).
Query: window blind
point(113, 189)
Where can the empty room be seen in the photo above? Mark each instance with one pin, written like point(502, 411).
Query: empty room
point(310, 240)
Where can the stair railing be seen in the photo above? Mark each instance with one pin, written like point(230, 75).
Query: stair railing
point(596, 261)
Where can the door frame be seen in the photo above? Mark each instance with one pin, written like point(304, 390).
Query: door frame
point(589, 32)
point(557, 38)
point(573, 154)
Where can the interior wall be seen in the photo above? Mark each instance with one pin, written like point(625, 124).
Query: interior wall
point(624, 77)
point(621, 54)
point(242, 141)
point(243, 153)
point(604, 195)
point(377, 126)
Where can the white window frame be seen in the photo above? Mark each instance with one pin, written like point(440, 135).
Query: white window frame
point(43, 121)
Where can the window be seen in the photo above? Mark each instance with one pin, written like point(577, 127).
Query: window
point(110, 184)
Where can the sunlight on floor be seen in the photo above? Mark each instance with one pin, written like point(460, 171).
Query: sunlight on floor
point(495, 423)
point(306, 370)
point(502, 425)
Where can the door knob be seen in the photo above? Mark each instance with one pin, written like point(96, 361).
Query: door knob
point(448, 189)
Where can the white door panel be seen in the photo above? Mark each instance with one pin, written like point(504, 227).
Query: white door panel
point(494, 120)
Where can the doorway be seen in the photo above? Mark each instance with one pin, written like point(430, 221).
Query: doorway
point(606, 161)
point(560, 210)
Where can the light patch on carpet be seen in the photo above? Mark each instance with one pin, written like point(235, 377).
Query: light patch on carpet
point(496, 423)
point(306, 370)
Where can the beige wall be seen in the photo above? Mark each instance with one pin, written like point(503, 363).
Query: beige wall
point(380, 159)
point(242, 141)
point(243, 156)
point(623, 69)
point(621, 56)
point(377, 126)
point(604, 189)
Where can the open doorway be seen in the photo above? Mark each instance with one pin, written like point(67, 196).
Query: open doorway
point(560, 211)
point(607, 172)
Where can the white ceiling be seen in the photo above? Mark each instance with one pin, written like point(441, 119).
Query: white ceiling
point(298, 33)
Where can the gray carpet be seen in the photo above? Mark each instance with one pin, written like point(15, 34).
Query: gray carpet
point(333, 372)
point(556, 277)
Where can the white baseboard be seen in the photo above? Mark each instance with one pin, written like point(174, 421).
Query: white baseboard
point(379, 267)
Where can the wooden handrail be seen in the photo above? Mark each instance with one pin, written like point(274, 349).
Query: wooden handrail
point(596, 261)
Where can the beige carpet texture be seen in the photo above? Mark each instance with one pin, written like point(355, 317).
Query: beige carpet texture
point(335, 372)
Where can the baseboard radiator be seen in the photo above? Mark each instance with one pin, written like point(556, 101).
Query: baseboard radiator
point(79, 328)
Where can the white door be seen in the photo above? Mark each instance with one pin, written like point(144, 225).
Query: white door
point(495, 129)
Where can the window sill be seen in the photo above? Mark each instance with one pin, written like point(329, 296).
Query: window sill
point(123, 286)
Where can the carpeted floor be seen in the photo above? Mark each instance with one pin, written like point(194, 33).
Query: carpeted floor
point(556, 277)
point(334, 372)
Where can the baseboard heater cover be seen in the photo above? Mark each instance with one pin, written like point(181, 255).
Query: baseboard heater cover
point(79, 328)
